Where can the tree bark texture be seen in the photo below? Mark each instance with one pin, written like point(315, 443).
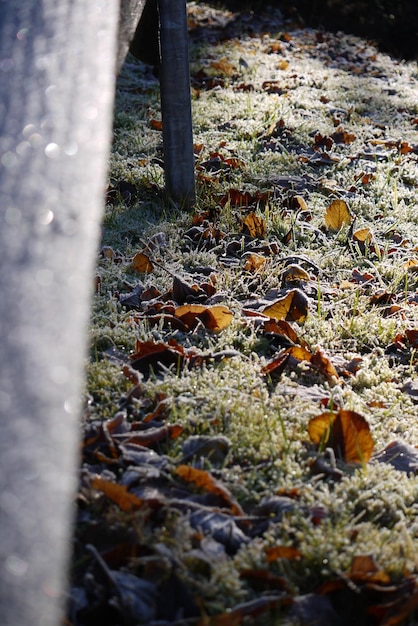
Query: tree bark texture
point(175, 103)
point(57, 60)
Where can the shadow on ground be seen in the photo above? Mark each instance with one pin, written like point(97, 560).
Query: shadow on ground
point(393, 26)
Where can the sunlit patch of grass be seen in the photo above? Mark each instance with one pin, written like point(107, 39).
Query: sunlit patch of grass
point(371, 509)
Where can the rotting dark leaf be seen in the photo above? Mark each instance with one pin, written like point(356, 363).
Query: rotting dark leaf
point(132, 300)
point(181, 290)
point(221, 527)
point(401, 455)
point(211, 448)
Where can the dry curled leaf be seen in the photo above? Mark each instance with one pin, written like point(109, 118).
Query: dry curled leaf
point(119, 494)
point(346, 432)
point(204, 480)
point(254, 225)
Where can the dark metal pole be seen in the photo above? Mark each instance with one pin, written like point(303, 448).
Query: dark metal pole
point(176, 104)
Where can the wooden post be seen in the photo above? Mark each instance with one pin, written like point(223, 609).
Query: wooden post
point(176, 104)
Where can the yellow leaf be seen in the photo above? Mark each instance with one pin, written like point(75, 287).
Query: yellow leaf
point(337, 214)
point(363, 235)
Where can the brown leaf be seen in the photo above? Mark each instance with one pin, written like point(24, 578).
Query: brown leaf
point(292, 307)
point(153, 436)
point(204, 480)
point(343, 136)
point(254, 262)
point(214, 318)
point(346, 432)
point(364, 569)
point(281, 327)
point(336, 215)
point(294, 274)
point(142, 263)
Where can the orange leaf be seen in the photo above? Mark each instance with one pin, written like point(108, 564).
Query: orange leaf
point(281, 327)
point(282, 552)
point(204, 480)
point(254, 225)
point(156, 124)
point(291, 307)
point(119, 494)
point(141, 263)
point(337, 214)
point(346, 432)
point(152, 436)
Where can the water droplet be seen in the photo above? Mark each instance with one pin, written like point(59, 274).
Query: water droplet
point(71, 148)
point(23, 148)
point(21, 35)
point(9, 159)
point(16, 566)
point(46, 217)
point(35, 140)
point(52, 151)
point(44, 277)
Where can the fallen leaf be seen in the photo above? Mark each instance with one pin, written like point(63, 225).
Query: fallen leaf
point(119, 494)
point(214, 318)
point(204, 480)
point(254, 262)
point(254, 225)
point(292, 307)
point(282, 552)
point(346, 432)
point(156, 124)
point(342, 136)
point(294, 274)
point(364, 569)
point(336, 215)
point(142, 263)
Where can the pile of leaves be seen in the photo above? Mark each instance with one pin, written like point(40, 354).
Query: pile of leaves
point(249, 432)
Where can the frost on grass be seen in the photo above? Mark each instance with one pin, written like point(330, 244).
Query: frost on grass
point(288, 122)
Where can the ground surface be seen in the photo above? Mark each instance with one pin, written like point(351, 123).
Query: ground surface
point(251, 420)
